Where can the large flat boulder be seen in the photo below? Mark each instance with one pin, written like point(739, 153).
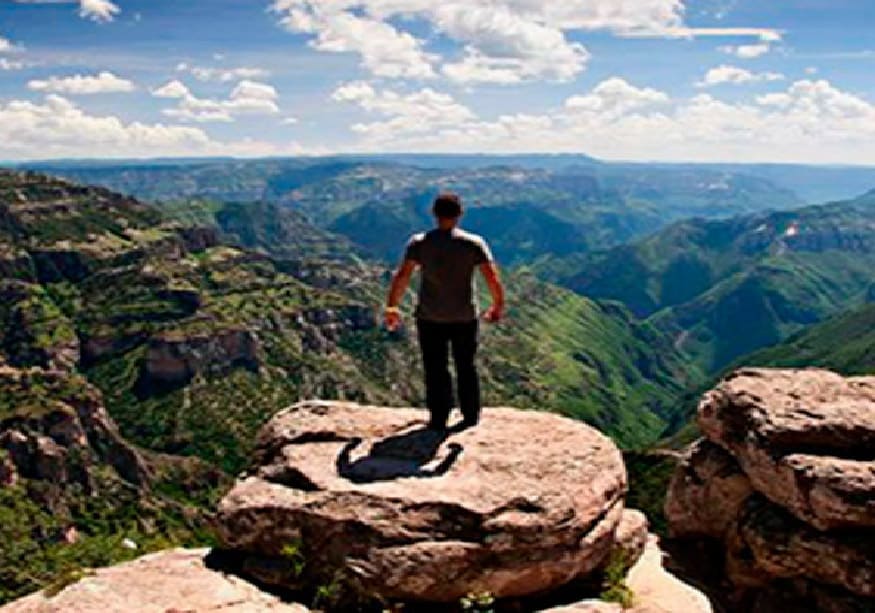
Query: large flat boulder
point(171, 581)
point(804, 438)
point(523, 503)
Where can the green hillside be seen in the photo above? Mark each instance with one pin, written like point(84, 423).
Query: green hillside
point(845, 344)
point(725, 288)
point(197, 333)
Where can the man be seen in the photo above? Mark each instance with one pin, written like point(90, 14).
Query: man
point(446, 313)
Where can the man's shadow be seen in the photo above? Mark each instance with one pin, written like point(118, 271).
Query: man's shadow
point(399, 456)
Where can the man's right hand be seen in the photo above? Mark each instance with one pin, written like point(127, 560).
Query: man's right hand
point(392, 317)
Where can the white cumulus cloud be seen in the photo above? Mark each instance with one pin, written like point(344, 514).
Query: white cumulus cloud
point(385, 50)
point(752, 51)
point(417, 112)
point(101, 83)
point(56, 127)
point(615, 97)
point(172, 89)
point(502, 41)
point(247, 98)
point(10, 64)
point(223, 75)
point(505, 47)
point(98, 10)
point(736, 75)
point(810, 121)
point(747, 52)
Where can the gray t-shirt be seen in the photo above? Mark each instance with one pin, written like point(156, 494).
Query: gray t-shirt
point(447, 260)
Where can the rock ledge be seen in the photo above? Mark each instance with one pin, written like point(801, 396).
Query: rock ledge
point(519, 505)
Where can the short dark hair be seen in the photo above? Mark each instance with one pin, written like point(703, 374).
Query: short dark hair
point(447, 206)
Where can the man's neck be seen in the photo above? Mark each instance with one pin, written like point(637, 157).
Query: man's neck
point(447, 224)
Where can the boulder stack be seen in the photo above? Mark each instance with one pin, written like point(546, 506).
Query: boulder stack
point(785, 479)
point(343, 494)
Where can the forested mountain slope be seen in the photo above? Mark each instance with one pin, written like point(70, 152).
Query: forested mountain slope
point(195, 339)
point(725, 288)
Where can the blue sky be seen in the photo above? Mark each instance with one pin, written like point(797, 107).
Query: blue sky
point(711, 80)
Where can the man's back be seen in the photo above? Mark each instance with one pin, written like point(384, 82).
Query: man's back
point(447, 259)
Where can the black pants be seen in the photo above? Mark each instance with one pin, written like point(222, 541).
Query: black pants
point(435, 339)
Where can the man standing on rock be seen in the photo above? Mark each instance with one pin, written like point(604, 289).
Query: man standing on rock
point(446, 313)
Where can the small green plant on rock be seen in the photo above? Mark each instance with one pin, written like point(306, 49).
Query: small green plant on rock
point(478, 602)
point(329, 594)
point(614, 587)
point(292, 553)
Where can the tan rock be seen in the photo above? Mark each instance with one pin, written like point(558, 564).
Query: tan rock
point(770, 543)
point(523, 503)
point(706, 492)
point(631, 535)
point(804, 439)
point(654, 590)
point(587, 606)
point(170, 581)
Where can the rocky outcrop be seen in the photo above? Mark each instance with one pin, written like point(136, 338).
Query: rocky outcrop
point(803, 438)
point(196, 239)
point(322, 328)
point(519, 505)
point(173, 359)
point(706, 492)
point(58, 431)
point(786, 481)
point(177, 581)
point(33, 331)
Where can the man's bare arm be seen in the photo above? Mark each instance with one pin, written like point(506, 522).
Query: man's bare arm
point(490, 273)
point(400, 282)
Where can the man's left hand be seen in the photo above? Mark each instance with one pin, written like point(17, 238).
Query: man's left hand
point(392, 317)
point(494, 314)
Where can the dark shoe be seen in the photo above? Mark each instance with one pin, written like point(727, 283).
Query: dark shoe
point(437, 426)
point(464, 424)
point(469, 421)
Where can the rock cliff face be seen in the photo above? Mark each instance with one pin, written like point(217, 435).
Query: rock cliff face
point(785, 480)
point(522, 504)
point(56, 430)
point(173, 360)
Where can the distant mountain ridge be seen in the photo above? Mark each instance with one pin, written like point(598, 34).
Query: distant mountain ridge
point(812, 183)
point(527, 212)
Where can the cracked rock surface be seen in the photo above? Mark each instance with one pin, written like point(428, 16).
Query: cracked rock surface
point(522, 503)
